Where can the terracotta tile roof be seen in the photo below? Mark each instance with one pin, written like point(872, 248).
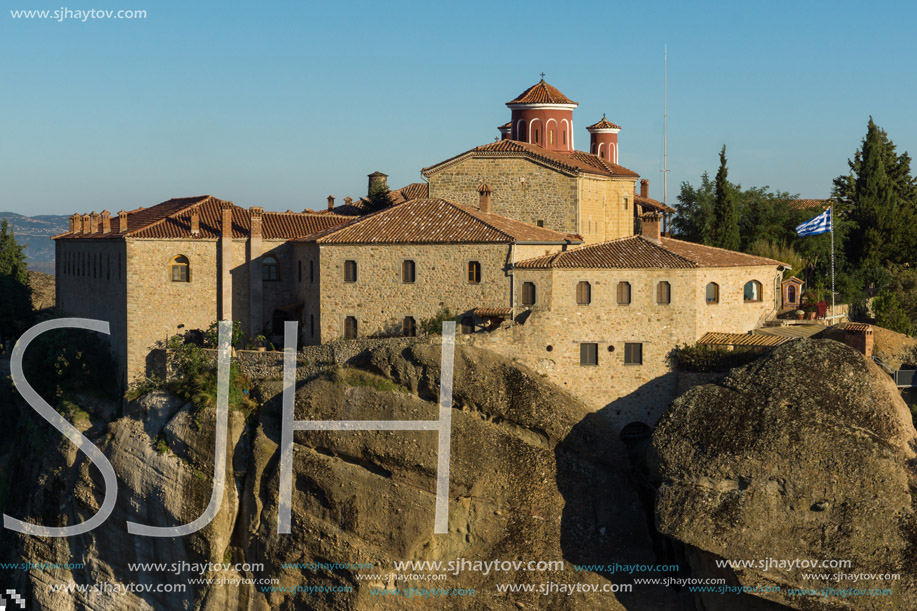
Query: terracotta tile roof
point(604, 124)
point(636, 252)
point(492, 312)
point(805, 204)
point(743, 339)
point(436, 221)
point(573, 163)
point(854, 327)
point(506, 125)
point(415, 190)
point(541, 93)
point(793, 279)
point(649, 204)
point(172, 219)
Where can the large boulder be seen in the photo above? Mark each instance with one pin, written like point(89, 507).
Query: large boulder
point(805, 454)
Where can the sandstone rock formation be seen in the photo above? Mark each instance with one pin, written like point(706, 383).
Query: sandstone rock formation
point(805, 454)
point(534, 476)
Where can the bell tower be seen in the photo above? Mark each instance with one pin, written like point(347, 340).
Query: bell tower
point(542, 115)
point(603, 140)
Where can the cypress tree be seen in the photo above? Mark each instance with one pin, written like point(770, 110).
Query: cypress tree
point(879, 196)
point(15, 293)
point(723, 230)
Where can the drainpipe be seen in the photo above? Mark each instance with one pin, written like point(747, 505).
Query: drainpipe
point(512, 283)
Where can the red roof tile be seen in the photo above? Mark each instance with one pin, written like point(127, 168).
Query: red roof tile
point(636, 252)
point(541, 93)
point(649, 204)
point(571, 163)
point(436, 221)
point(604, 124)
point(805, 204)
point(172, 219)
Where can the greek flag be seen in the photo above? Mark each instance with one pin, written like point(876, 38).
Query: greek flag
point(820, 224)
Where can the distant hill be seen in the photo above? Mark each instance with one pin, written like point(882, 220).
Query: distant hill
point(35, 232)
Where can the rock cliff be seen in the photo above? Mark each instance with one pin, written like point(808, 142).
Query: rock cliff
point(806, 454)
point(534, 476)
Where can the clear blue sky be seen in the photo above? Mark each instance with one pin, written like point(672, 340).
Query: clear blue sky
point(280, 104)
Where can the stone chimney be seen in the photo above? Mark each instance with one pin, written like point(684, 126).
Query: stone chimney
point(348, 201)
point(94, 224)
point(76, 222)
point(377, 182)
point(86, 225)
point(195, 222)
point(645, 188)
point(106, 221)
point(122, 221)
point(255, 213)
point(484, 204)
point(650, 227)
point(330, 202)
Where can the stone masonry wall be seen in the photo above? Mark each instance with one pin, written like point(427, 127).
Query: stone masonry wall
point(550, 338)
point(522, 189)
point(380, 300)
point(91, 283)
point(606, 208)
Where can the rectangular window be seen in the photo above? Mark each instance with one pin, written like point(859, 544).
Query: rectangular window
point(633, 354)
point(588, 354)
point(350, 271)
point(623, 293)
point(583, 293)
point(408, 271)
point(663, 293)
point(528, 293)
point(474, 272)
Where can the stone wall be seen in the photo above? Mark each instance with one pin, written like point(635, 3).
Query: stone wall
point(379, 300)
point(606, 208)
point(550, 338)
point(91, 283)
point(522, 189)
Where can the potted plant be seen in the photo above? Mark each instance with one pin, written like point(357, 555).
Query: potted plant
point(810, 310)
point(260, 343)
point(800, 314)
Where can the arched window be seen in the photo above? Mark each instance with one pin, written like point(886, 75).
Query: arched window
point(583, 293)
point(408, 270)
point(270, 271)
point(409, 326)
point(350, 328)
point(474, 272)
point(713, 293)
point(791, 294)
point(181, 269)
point(663, 293)
point(350, 271)
point(520, 128)
point(528, 293)
point(624, 293)
point(752, 291)
point(565, 137)
point(536, 135)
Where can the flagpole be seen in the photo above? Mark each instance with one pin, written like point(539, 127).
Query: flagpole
point(831, 221)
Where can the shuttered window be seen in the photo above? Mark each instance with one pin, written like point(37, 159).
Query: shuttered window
point(528, 293)
point(583, 293)
point(624, 293)
point(588, 354)
point(408, 270)
point(633, 354)
point(350, 328)
point(350, 271)
point(663, 293)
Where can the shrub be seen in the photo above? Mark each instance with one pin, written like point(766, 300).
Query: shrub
point(434, 325)
point(702, 358)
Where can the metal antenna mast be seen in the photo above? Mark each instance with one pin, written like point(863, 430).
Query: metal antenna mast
point(665, 127)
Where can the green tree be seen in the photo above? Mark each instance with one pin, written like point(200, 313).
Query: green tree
point(693, 210)
point(879, 196)
point(890, 313)
point(723, 228)
point(15, 293)
point(377, 199)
